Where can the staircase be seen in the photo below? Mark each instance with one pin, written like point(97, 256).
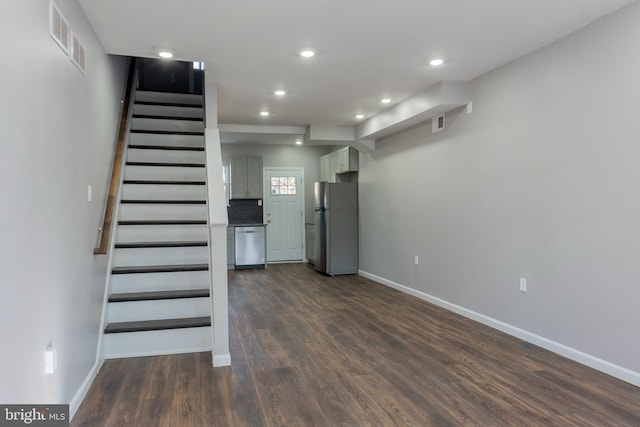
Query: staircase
point(160, 293)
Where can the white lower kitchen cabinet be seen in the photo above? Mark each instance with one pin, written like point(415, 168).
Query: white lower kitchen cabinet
point(310, 235)
point(231, 248)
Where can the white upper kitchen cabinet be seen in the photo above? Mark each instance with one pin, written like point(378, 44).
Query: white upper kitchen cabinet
point(246, 177)
point(325, 168)
point(338, 162)
point(346, 160)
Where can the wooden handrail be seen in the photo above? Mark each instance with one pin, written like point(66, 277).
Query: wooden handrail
point(117, 166)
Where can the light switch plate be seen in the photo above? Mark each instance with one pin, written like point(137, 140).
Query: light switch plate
point(50, 361)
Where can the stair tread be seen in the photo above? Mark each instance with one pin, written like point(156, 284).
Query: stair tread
point(167, 164)
point(165, 147)
point(166, 132)
point(158, 295)
point(167, 244)
point(161, 182)
point(168, 104)
point(159, 268)
point(159, 117)
point(156, 325)
point(163, 202)
point(168, 93)
point(164, 222)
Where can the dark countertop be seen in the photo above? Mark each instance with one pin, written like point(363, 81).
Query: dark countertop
point(248, 224)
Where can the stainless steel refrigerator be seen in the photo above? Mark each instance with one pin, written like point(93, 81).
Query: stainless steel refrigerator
point(336, 227)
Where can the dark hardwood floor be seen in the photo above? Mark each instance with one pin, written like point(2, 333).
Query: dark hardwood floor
point(310, 350)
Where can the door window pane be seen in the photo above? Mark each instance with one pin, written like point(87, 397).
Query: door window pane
point(283, 185)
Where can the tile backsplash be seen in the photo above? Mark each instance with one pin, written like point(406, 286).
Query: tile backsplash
point(245, 211)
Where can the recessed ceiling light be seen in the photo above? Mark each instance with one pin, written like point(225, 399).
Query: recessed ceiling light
point(436, 62)
point(165, 54)
point(307, 53)
point(359, 116)
point(385, 100)
point(279, 92)
point(264, 113)
point(298, 142)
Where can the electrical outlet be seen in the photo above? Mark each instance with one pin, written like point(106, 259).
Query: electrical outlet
point(416, 261)
point(470, 107)
point(523, 285)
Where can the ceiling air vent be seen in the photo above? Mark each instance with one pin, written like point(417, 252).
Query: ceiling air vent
point(77, 52)
point(58, 27)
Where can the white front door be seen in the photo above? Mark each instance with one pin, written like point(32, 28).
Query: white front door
point(283, 212)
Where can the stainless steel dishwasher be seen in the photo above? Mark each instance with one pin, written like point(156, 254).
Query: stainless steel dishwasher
point(250, 247)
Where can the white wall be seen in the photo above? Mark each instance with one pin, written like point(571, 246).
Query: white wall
point(541, 181)
point(285, 156)
point(57, 134)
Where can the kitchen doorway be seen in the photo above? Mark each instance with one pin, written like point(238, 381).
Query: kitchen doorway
point(284, 213)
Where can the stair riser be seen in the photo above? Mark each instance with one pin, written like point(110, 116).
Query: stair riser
point(172, 140)
point(161, 233)
point(165, 173)
point(162, 192)
point(160, 309)
point(174, 98)
point(167, 125)
point(169, 111)
point(161, 256)
point(173, 341)
point(160, 212)
point(148, 282)
point(173, 156)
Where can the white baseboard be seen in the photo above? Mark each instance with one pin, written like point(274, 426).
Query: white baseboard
point(609, 368)
point(293, 261)
point(84, 388)
point(222, 360)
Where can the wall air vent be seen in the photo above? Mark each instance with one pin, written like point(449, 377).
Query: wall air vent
point(77, 52)
point(58, 27)
point(437, 124)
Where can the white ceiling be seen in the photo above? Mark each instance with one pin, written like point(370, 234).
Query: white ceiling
point(366, 49)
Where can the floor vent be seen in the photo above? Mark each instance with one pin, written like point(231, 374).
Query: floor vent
point(59, 27)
